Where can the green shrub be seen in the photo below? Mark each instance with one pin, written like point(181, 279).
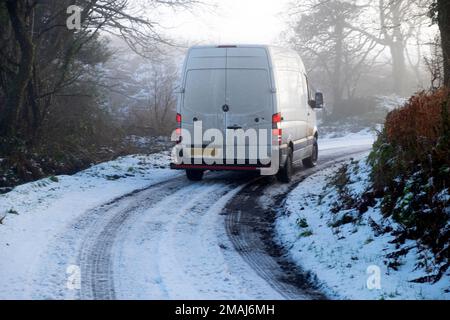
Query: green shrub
point(302, 223)
point(305, 234)
point(410, 170)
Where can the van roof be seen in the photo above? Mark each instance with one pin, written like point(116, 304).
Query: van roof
point(231, 45)
point(282, 57)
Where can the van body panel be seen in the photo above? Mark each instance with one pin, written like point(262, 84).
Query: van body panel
point(247, 58)
point(249, 96)
point(292, 97)
point(203, 99)
point(250, 99)
point(206, 58)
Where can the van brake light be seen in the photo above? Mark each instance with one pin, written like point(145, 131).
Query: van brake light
point(276, 131)
point(178, 129)
point(276, 118)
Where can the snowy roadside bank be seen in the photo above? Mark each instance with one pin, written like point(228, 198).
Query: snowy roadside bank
point(44, 227)
point(365, 137)
point(33, 213)
point(346, 256)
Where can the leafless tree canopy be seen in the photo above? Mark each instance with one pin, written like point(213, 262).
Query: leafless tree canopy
point(359, 48)
point(41, 58)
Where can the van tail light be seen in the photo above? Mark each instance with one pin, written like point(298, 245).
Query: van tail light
point(277, 133)
point(276, 130)
point(276, 118)
point(178, 129)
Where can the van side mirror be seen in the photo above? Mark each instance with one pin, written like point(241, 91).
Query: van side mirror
point(179, 90)
point(319, 100)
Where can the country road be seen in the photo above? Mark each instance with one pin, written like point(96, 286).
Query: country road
point(224, 158)
point(177, 239)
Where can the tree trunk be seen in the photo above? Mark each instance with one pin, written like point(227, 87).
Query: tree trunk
point(397, 48)
point(337, 76)
point(443, 7)
point(16, 94)
point(398, 67)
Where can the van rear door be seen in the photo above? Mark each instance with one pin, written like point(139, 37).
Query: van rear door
point(249, 95)
point(229, 88)
point(204, 90)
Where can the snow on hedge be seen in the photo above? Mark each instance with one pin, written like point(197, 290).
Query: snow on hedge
point(345, 256)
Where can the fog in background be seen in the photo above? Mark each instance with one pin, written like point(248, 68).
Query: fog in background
point(365, 56)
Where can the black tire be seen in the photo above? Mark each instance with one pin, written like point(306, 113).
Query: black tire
point(312, 161)
point(285, 173)
point(194, 175)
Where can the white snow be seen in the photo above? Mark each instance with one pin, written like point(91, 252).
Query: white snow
point(183, 252)
point(46, 207)
point(340, 257)
point(178, 245)
point(172, 247)
point(365, 137)
point(391, 102)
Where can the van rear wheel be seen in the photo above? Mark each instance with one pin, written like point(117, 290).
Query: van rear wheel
point(312, 160)
point(285, 173)
point(194, 175)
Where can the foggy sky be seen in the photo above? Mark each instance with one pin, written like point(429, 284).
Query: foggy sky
point(231, 21)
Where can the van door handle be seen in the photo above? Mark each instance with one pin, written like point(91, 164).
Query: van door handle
point(234, 127)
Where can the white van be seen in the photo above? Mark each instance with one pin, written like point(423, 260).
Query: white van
point(255, 90)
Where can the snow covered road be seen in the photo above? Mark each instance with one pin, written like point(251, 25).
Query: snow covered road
point(170, 239)
point(163, 243)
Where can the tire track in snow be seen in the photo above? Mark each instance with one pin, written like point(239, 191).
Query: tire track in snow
point(165, 242)
point(120, 260)
point(184, 249)
point(179, 250)
point(249, 226)
point(96, 250)
point(157, 271)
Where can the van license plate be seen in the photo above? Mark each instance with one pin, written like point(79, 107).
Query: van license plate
point(207, 152)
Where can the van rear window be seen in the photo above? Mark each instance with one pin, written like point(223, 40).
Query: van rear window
point(248, 90)
point(205, 90)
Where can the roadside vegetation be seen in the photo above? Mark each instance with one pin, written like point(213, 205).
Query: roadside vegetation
point(411, 174)
point(401, 191)
point(72, 96)
point(410, 162)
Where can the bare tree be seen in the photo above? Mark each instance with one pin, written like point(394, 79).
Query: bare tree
point(440, 13)
point(396, 22)
point(434, 63)
point(40, 57)
point(156, 106)
point(323, 37)
point(143, 96)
